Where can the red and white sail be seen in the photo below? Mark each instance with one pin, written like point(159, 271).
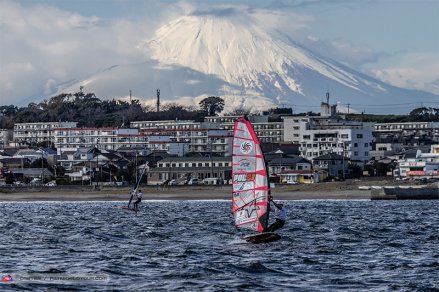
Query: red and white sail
point(250, 179)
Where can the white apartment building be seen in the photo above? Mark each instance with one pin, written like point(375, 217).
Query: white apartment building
point(68, 139)
point(267, 132)
point(291, 125)
point(319, 135)
point(406, 126)
point(202, 138)
point(29, 134)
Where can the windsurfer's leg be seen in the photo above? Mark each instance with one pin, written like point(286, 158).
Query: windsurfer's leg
point(271, 227)
point(276, 225)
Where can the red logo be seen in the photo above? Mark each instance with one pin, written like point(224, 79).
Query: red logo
point(7, 278)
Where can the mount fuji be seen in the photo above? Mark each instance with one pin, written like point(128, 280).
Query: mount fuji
point(201, 55)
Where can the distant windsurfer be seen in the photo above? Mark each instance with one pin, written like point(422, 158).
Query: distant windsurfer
point(139, 199)
point(280, 214)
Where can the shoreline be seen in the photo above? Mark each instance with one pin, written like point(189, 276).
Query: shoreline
point(222, 192)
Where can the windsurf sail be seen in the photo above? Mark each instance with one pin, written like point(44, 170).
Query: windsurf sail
point(250, 188)
point(136, 186)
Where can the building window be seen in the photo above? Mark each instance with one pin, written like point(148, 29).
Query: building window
point(366, 153)
point(359, 136)
point(355, 153)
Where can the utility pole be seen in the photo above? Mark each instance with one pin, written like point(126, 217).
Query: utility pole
point(158, 100)
point(211, 159)
point(343, 159)
point(42, 165)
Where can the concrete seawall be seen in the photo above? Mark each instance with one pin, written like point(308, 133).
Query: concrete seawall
point(405, 193)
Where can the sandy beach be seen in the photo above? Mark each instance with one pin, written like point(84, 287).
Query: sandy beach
point(347, 190)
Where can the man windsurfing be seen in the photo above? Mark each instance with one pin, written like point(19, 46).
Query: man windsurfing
point(280, 214)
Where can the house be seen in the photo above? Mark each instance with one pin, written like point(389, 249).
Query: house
point(336, 165)
point(301, 176)
point(420, 164)
point(281, 164)
point(14, 162)
point(27, 174)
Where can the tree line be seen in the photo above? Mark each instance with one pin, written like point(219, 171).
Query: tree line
point(90, 111)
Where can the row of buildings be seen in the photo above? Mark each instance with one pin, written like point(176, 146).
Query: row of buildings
point(299, 148)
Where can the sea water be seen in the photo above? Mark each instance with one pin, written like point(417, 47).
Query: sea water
point(193, 245)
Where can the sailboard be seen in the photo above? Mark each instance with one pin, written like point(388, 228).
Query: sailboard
point(250, 188)
point(129, 209)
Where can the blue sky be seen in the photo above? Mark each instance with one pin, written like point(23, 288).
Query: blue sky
point(396, 41)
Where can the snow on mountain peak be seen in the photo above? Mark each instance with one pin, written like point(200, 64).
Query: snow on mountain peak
point(242, 54)
point(228, 55)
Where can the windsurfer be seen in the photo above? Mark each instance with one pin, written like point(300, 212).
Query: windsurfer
point(280, 214)
point(139, 199)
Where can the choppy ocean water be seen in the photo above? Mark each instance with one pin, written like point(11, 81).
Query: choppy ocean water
point(193, 246)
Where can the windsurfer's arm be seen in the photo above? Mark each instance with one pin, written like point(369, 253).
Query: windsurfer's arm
point(274, 203)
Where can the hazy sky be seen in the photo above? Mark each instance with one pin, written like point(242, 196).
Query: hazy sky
point(47, 43)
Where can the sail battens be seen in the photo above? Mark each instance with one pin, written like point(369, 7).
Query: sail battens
point(250, 179)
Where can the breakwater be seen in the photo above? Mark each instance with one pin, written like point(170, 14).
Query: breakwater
point(405, 193)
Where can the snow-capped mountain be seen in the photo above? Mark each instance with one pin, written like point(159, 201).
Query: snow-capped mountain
point(197, 56)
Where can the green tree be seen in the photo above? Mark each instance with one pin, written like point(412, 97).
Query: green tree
point(8, 110)
point(212, 105)
point(37, 163)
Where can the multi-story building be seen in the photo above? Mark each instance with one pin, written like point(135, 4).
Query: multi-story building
point(267, 131)
point(204, 138)
point(30, 134)
point(387, 135)
point(115, 138)
point(329, 133)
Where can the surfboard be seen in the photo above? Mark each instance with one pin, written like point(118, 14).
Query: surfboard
point(262, 237)
point(250, 187)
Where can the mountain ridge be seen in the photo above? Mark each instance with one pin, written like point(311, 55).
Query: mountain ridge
point(197, 56)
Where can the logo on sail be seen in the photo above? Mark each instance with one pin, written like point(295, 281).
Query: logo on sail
point(244, 177)
point(244, 165)
point(246, 147)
